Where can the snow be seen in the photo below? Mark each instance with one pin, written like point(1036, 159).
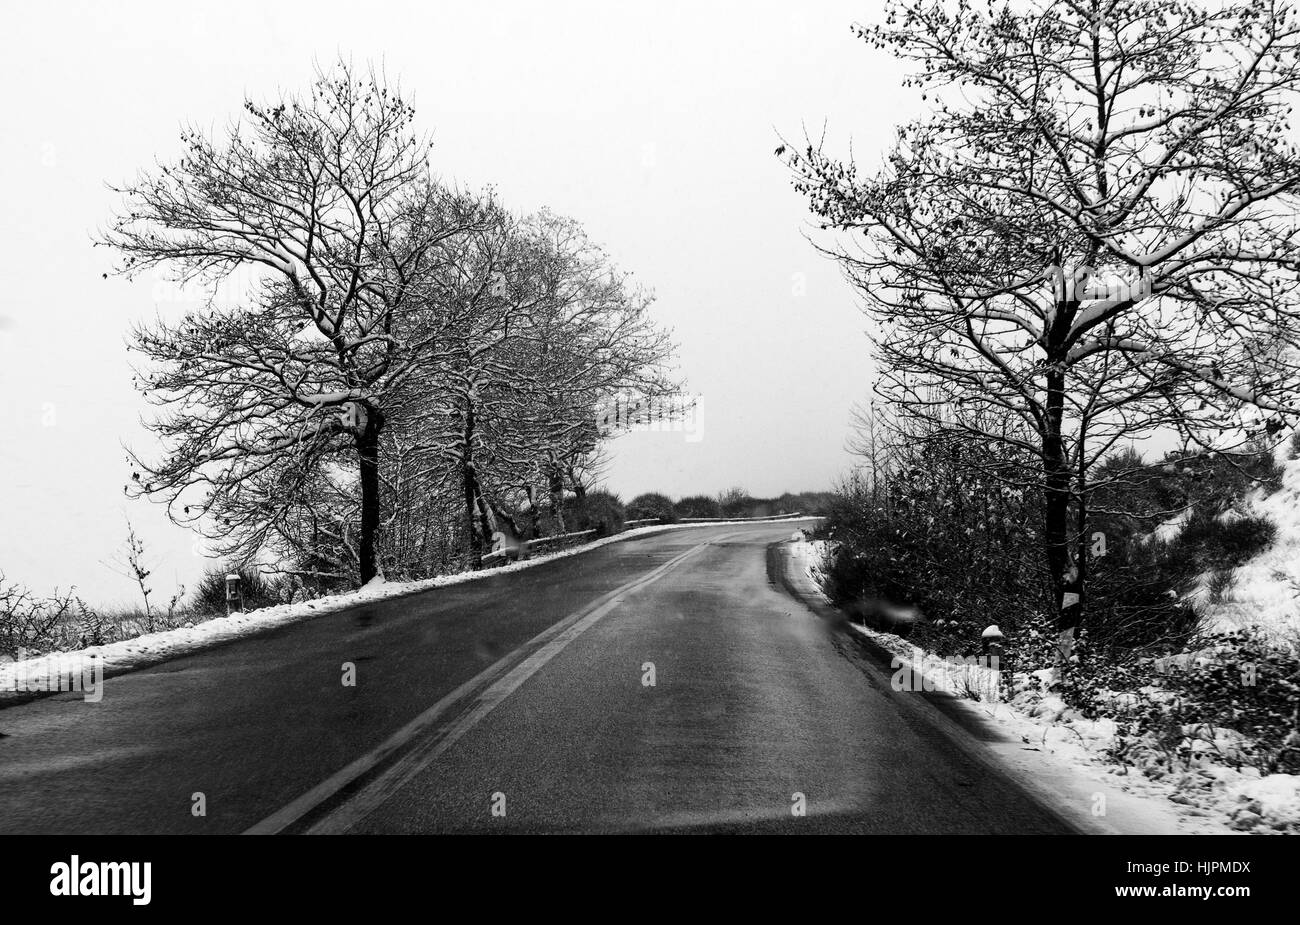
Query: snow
point(331, 398)
point(812, 553)
point(1265, 593)
point(1167, 531)
point(1207, 798)
point(1272, 801)
point(1072, 751)
point(152, 648)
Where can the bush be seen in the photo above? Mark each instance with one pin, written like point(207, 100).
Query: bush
point(652, 504)
point(698, 506)
point(944, 534)
point(32, 623)
point(1135, 593)
point(736, 502)
point(257, 590)
point(1210, 542)
point(804, 502)
point(1238, 681)
point(597, 510)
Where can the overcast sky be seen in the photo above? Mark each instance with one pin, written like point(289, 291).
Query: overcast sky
point(652, 124)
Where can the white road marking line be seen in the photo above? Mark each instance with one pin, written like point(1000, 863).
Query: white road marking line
point(552, 641)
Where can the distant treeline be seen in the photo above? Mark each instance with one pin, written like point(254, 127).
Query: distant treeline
point(734, 502)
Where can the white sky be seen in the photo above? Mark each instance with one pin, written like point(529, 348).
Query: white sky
point(653, 124)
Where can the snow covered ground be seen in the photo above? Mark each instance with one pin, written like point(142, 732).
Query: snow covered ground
point(19, 679)
point(1265, 592)
point(1208, 798)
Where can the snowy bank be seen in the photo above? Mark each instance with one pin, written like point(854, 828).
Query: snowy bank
point(1265, 591)
point(1208, 797)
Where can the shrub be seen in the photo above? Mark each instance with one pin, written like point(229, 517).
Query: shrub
point(698, 506)
point(91, 628)
point(1220, 584)
point(1135, 592)
point(1133, 595)
point(597, 510)
point(257, 590)
point(33, 623)
point(1238, 681)
point(735, 502)
point(941, 533)
point(1210, 542)
point(804, 502)
point(652, 504)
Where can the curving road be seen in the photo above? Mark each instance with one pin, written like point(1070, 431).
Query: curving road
point(662, 683)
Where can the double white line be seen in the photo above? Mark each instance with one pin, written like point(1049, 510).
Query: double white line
point(496, 683)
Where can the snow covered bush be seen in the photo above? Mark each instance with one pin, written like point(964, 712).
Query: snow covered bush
point(1233, 699)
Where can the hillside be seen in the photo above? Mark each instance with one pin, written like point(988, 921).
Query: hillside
point(1265, 591)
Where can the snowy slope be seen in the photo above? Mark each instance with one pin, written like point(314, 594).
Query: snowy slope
point(1266, 590)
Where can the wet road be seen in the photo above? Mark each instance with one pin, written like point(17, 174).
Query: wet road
point(664, 683)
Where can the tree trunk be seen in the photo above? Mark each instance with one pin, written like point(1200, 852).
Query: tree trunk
point(487, 519)
point(471, 527)
point(534, 512)
point(1064, 573)
point(579, 489)
point(1081, 526)
point(556, 479)
point(469, 484)
point(368, 459)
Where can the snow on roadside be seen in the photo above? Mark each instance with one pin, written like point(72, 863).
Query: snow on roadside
point(1209, 797)
point(152, 648)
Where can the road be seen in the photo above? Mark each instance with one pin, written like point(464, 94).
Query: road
point(662, 683)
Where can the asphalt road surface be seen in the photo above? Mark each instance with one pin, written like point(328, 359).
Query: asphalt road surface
point(663, 683)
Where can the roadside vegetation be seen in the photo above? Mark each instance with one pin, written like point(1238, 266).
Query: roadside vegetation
point(1086, 244)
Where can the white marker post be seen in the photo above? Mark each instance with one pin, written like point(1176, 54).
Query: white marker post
point(234, 597)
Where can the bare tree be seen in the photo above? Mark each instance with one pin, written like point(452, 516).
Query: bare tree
point(594, 338)
point(870, 441)
point(129, 562)
point(511, 415)
point(327, 200)
point(1091, 236)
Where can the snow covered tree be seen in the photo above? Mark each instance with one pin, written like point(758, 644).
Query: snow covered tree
point(326, 201)
point(593, 339)
point(1090, 237)
point(510, 415)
